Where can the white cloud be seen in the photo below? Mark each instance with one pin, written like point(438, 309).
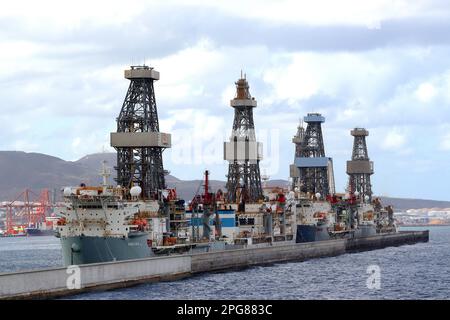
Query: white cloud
point(445, 142)
point(331, 74)
point(19, 128)
point(228, 94)
point(373, 89)
point(25, 145)
point(92, 142)
point(321, 12)
point(425, 92)
point(76, 142)
point(299, 80)
point(70, 15)
point(183, 73)
point(394, 140)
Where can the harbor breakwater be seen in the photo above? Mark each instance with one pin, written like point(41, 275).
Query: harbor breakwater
point(57, 282)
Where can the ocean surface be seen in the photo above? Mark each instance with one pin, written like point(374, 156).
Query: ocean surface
point(420, 271)
point(29, 253)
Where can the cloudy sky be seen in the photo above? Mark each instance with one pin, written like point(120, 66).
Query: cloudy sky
point(382, 65)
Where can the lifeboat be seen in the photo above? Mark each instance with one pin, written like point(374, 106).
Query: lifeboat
point(61, 222)
point(141, 224)
point(368, 215)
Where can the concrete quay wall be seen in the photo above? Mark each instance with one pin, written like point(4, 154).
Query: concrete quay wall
point(56, 282)
point(241, 258)
point(387, 240)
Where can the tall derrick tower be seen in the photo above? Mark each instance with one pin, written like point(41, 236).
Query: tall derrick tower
point(243, 152)
point(316, 170)
point(360, 168)
point(138, 142)
point(297, 140)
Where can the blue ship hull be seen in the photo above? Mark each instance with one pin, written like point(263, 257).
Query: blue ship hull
point(34, 232)
point(310, 233)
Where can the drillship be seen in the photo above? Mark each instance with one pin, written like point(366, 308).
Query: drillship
point(141, 217)
point(322, 213)
point(115, 223)
point(99, 225)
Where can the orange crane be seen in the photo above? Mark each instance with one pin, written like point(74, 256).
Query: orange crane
point(27, 209)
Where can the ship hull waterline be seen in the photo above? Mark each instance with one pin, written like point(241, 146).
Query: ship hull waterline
point(86, 249)
point(312, 233)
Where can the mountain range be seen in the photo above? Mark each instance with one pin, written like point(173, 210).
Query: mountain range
point(21, 170)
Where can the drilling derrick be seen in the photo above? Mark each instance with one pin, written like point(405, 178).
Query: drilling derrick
point(297, 140)
point(243, 152)
point(315, 169)
point(360, 168)
point(138, 142)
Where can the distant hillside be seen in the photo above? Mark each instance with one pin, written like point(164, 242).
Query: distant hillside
point(403, 204)
point(20, 170)
point(93, 161)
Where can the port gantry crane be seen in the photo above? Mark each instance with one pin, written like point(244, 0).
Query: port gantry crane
point(27, 209)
